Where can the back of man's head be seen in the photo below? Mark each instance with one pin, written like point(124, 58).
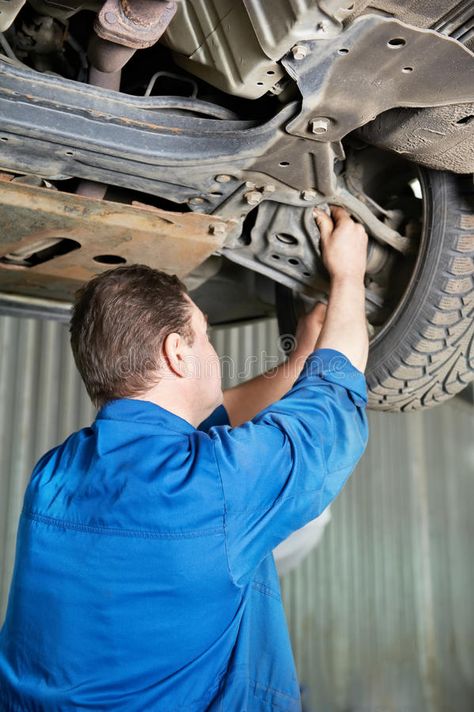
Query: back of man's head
point(118, 324)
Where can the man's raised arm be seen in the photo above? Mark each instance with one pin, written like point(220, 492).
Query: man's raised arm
point(342, 326)
point(344, 248)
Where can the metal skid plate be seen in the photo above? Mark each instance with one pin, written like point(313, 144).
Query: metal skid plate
point(173, 242)
point(375, 65)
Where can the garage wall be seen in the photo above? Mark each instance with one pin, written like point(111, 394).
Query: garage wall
point(381, 614)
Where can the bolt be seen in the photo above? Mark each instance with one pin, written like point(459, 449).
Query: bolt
point(223, 178)
point(196, 201)
point(110, 18)
point(218, 229)
point(299, 52)
point(309, 195)
point(253, 197)
point(320, 125)
point(249, 184)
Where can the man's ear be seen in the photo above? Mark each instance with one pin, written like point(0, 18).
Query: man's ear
point(174, 353)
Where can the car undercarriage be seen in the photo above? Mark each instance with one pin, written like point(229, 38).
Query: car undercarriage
point(197, 137)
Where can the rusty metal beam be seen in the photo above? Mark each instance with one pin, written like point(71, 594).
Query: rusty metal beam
point(173, 242)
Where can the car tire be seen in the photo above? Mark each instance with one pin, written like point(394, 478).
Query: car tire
point(427, 354)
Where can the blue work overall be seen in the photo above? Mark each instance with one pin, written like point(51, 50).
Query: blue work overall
point(144, 579)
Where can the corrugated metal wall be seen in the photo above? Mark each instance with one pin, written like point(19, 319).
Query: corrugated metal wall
point(381, 614)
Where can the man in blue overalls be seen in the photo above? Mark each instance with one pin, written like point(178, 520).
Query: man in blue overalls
point(144, 579)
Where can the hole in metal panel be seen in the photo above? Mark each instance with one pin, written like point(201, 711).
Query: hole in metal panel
point(286, 238)
point(465, 120)
point(40, 251)
point(396, 43)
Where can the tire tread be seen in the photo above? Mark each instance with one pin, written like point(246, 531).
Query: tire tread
point(441, 341)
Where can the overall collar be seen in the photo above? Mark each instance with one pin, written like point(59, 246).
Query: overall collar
point(142, 411)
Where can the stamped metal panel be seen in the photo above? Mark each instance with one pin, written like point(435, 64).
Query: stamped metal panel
point(386, 63)
point(215, 40)
point(280, 24)
point(236, 46)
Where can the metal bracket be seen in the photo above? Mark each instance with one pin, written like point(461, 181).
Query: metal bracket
point(303, 165)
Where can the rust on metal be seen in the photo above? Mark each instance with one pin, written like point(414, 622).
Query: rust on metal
point(134, 23)
point(174, 242)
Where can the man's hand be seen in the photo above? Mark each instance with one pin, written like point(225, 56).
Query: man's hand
point(344, 244)
point(344, 250)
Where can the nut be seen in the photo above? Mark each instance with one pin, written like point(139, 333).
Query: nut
point(196, 201)
point(223, 178)
point(309, 195)
point(299, 52)
point(319, 125)
point(253, 197)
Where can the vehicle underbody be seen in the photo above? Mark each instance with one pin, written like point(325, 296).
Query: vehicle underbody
point(197, 137)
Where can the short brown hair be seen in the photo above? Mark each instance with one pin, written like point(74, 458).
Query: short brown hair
point(119, 321)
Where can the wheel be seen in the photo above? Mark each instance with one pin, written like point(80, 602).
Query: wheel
point(421, 348)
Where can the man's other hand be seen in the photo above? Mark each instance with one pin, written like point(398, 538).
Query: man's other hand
point(308, 329)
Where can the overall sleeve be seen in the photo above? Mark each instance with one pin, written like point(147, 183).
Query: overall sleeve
point(281, 469)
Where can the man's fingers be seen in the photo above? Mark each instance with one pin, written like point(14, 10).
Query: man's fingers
point(324, 222)
point(339, 214)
